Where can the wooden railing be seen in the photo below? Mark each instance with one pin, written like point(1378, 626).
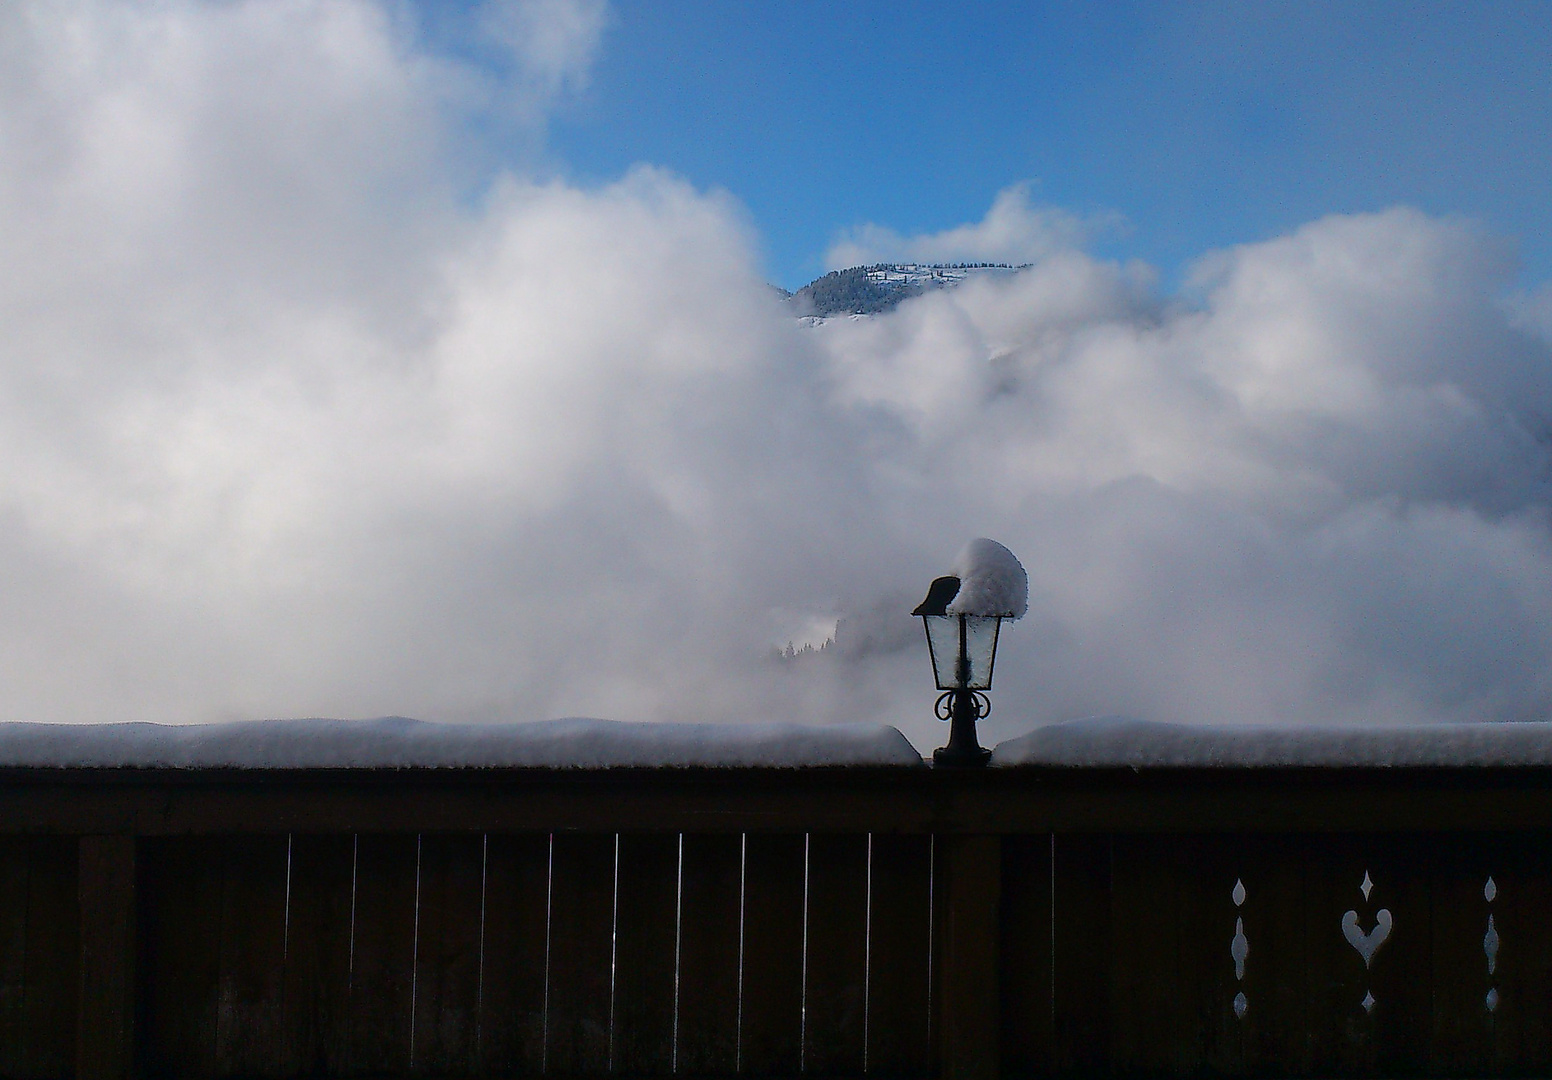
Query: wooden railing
point(763, 922)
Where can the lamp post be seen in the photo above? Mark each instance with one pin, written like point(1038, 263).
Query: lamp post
point(963, 648)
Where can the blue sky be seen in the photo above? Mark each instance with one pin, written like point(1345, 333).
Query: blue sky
point(1202, 125)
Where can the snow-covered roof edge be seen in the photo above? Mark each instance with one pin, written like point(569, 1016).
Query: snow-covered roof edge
point(1121, 742)
point(400, 743)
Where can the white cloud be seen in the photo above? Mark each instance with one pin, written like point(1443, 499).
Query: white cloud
point(553, 42)
point(290, 425)
point(1013, 231)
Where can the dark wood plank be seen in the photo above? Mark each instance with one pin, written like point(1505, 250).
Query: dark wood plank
point(581, 933)
point(1146, 1011)
point(105, 1014)
point(1002, 801)
point(250, 990)
point(1028, 1015)
point(1082, 954)
point(969, 879)
point(1291, 801)
point(1278, 986)
point(1522, 1024)
point(1396, 1036)
point(1462, 1026)
point(517, 883)
point(1172, 924)
point(1340, 1034)
point(180, 953)
point(318, 955)
point(1207, 868)
point(382, 972)
point(15, 860)
point(648, 899)
point(52, 971)
point(708, 954)
point(899, 1022)
point(837, 952)
point(770, 1041)
point(447, 965)
point(1402, 976)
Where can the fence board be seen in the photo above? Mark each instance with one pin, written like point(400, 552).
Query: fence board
point(106, 896)
point(708, 954)
point(249, 988)
point(38, 956)
point(643, 1038)
point(1462, 1027)
point(1402, 976)
point(51, 971)
point(15, 865)
point(1147, 1013)
point(1523, 1022)
point(969, 901)
point(899, 1022)
point(1345, 1038)
point(383, 947)
point(770, 1039)
point(517, 884)
point(837, 952)
point(1278, 986)
point(581, 932)
point(447, 955)
point(318, 955)
point(1204, 866)
point(1028, 1035)
point(1082, 954)
point(181, 880)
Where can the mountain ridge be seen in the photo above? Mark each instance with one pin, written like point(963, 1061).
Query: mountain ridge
point(880, 287)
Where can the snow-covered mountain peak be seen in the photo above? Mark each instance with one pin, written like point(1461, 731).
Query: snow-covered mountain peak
point(869, 290)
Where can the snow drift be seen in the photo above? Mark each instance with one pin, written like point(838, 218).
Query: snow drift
point(1120, 742)
point(398, 743)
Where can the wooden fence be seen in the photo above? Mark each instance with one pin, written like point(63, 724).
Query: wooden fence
point(895, 922)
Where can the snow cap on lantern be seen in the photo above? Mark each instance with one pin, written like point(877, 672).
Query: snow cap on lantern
point(991, 581)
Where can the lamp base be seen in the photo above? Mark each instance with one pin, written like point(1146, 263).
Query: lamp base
point(962, 708)
point(954, 757)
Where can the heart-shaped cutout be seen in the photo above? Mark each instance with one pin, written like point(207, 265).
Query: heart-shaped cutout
point(1367, 944)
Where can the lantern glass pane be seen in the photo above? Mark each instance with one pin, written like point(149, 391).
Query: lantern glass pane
point(963, 649)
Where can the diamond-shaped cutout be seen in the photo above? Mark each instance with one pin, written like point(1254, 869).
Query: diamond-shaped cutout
point(1367, 885)
point(1368, 1003)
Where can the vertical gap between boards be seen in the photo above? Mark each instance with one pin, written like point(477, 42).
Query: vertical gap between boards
point(678, 936)
point(614, 949)
point(803, 1000)
point(867, 958)
point(932, 924)
point(479, 979)
point(415, 951)
point(549, 909)
point(738, 1030)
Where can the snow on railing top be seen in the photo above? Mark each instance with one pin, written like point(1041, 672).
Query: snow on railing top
point(399, 743)
point(1115, 741)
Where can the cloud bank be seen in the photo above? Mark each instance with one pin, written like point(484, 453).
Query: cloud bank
point(291, 424)
point(1014, 231)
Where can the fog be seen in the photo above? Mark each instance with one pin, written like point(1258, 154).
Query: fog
point(308, 409)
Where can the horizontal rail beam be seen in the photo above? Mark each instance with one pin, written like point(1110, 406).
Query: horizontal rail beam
point(993, 801)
